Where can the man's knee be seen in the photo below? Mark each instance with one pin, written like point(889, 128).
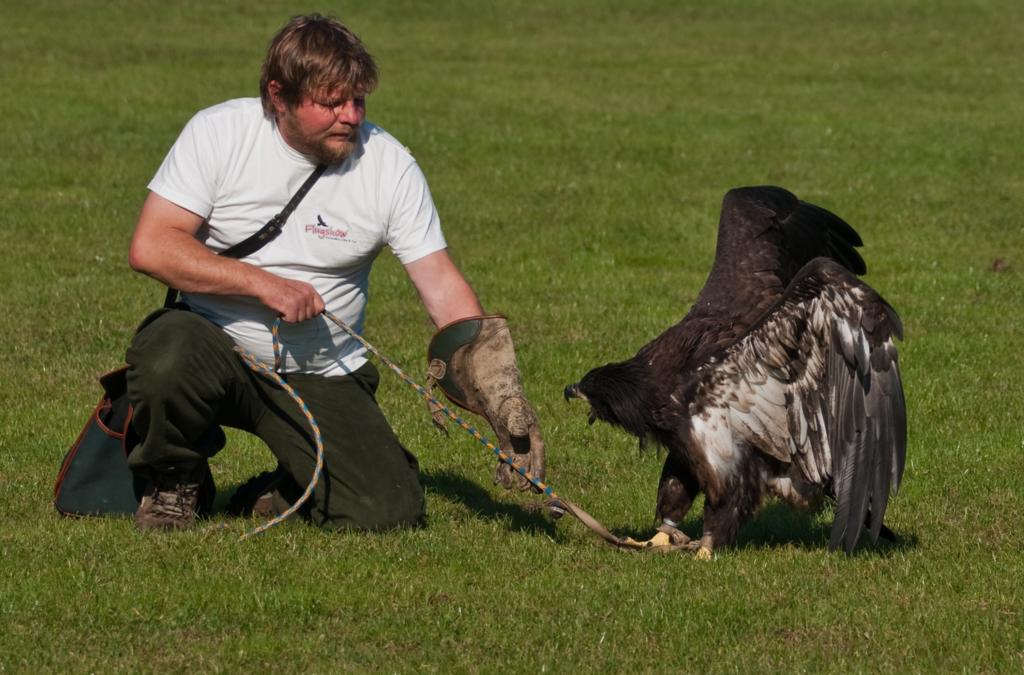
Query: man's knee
point(400, 508)
point(412, 518)
point(406, 512)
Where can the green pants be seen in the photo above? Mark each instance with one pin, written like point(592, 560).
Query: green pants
point(185, 381)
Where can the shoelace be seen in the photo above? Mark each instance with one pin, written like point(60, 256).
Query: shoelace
point(173, 502)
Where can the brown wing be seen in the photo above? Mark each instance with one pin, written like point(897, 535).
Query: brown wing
point(765, 236)
point(816, 382)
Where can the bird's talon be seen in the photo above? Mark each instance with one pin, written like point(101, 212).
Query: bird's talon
point(703, 553)
point(660, 541)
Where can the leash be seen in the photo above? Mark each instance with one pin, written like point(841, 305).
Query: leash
point(556, 504)
point(263, 369)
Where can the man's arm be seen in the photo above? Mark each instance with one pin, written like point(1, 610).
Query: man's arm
point(485, 369)
point(165, 247)
point(445, 293)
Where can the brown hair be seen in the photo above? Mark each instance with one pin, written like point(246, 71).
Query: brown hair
point(313, 53)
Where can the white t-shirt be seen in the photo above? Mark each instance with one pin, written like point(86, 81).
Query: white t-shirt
point(231, 166)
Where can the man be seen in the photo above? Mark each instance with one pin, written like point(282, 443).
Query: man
point(234, 167)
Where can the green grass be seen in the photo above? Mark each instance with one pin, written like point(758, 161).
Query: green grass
point(578, 151)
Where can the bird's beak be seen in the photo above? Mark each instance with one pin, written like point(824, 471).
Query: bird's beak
point(573, 391)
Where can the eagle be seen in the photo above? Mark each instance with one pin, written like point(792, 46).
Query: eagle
point(781, 381)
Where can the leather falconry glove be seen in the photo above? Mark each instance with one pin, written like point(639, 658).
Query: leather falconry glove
point(473, 361)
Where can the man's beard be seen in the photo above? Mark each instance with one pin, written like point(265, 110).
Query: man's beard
point(328, 149)
point(337, 151)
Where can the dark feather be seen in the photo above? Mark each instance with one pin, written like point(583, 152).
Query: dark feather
point(619, 393)
point(783, 376)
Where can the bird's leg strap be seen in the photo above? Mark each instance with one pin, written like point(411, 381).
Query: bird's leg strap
point(667, 538)
point(669, 533)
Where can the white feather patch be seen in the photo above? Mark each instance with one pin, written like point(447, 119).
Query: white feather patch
point(826, 447)
point(713, 434)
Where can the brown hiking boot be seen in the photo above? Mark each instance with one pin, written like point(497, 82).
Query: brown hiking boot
point(170, 502)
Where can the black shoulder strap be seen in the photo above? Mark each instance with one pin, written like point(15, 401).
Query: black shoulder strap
point(265, 234)
point(269, 232)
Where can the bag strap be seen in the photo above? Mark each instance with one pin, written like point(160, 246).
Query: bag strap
point(265, 234)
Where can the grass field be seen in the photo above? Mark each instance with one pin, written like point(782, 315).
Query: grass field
point(578, 151)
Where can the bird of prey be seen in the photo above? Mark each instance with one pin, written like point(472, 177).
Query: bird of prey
point(782, 380)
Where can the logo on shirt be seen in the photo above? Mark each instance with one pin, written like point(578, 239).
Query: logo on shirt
point(321, 230)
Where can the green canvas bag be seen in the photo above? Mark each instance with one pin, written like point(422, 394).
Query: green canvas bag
point(94, 478)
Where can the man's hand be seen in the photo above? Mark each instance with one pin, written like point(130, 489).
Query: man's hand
point(164, 247)
point(294, 301)
point(518, 431)
point(474, 363)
